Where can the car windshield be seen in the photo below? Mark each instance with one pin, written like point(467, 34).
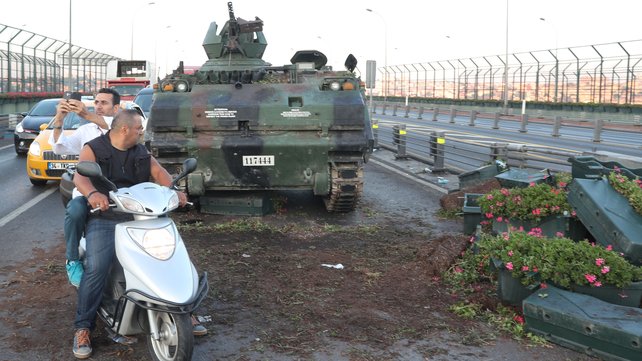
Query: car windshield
point(73, 120)
point(44, 108)
point(144, 101)
point(125, 90)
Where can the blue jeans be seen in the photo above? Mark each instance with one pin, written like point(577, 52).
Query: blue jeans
point(75, 218)
point(100, 252)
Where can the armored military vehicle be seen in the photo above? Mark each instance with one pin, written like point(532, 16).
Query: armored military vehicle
point(257, 127)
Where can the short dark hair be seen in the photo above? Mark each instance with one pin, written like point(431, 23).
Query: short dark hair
point(114, 94)
point(125, 117)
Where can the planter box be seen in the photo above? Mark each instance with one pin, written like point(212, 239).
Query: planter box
point(585, 324)
point(550, 226)
point(629, 296)
point(478, 176)
point(514, 178)
point(510, 290)
point(608, 216)
point(472, 212)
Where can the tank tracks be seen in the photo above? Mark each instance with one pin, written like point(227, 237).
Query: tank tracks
point(346, 187)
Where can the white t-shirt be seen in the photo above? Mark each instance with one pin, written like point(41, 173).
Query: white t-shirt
point(73, 144)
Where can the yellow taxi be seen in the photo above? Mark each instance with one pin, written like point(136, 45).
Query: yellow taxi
point(42, 163)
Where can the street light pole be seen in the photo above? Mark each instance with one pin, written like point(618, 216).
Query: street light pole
point(69, 80)
point(131, 53)
point(556, 59)
point(385, 52)
point(506, 66)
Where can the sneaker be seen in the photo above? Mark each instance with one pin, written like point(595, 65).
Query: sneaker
point(82, 344)
point(74, 272)
point(197, 328)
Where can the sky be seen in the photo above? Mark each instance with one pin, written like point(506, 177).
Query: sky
point(393, 33)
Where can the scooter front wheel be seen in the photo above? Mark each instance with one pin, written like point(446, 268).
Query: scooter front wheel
point(175, 340)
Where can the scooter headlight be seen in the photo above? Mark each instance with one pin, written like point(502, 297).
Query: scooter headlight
point(159, 243)
point(131, 204)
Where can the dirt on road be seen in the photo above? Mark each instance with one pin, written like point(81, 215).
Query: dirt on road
point(299, 284)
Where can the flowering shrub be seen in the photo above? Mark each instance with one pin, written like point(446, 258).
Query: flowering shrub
point(629, 188)
point(30, 95)
point(532, 259)
point(531, 203)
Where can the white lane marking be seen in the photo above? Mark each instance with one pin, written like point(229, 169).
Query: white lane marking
point(406, 175)
point(18, 211)
point(6, 146)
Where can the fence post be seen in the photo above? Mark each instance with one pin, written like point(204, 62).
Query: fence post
point(399, 138)
point(452, 114)
point(13, 121)
point(473, 116)
point(435, 113)
point(437, 145)
point(557, 123)
point(597, 131)
point(394, 110)
point(375, 133)
point(421, 112)
point(374, 108)
point(522, 128)
point(498, 151)
point(496, 121)
point(385, 105)
point(407, 111)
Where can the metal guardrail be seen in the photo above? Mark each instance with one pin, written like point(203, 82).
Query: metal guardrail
point(431, 147)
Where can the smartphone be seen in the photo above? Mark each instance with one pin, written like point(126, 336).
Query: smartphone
point(67, 95)
point(75, 95)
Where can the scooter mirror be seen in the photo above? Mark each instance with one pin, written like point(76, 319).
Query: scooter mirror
point(189, 165)
point(89, 169)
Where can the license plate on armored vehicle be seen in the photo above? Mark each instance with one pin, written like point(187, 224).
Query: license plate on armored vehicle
point(258, 160)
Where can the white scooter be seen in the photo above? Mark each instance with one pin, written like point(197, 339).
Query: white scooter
point(153, 286)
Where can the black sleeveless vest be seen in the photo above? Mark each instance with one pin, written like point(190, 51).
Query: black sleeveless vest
point(123, 168)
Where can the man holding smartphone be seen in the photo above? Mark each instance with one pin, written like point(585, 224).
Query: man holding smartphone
point(107, 104)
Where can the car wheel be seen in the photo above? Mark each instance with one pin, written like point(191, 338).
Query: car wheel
point(38, 182)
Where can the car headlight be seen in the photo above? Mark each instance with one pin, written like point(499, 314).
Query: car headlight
point(131, 204)
point(19, 128)
point(34, 149)
point(335, 86)
point(159, 243)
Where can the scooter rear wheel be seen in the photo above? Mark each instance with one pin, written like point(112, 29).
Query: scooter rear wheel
point(176, 341)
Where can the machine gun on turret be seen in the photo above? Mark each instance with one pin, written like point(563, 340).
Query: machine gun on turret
point(240, 31)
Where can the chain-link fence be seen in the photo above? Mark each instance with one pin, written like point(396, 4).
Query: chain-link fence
point(600, 73)
point(31, 62)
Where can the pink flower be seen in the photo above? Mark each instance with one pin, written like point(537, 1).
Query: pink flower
point(536, 211)
point(519, 319)
point(535, 269)
point(489, 197)
point(531, 184)
point(509, 266)
point(524, 268)
point(499, 219)
point(599, 261)
point(590, 278)
point(505, 191)
point(489, 215)
point(559, 234)
point(543, 285)
point(609, 248)
point(597, 284)
point(605, 270)
point(510, 253)
point(459, 269)
point(562, 184)
point(573, 213)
